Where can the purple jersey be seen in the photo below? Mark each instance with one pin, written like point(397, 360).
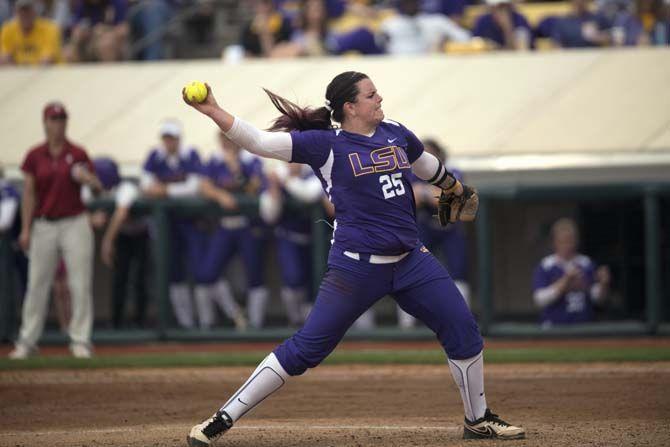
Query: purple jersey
point(573, 306)
point(220, 173)
point(294, 226)
point(173, 170)
point(366, 179)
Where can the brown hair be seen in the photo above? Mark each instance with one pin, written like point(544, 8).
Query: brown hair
point(342, 89)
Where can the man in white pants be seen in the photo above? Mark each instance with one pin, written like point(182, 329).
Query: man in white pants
point(55, 225)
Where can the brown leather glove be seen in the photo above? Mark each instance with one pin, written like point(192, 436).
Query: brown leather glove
point(452, 208)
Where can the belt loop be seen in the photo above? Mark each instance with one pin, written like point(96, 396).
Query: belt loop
point(365, 257)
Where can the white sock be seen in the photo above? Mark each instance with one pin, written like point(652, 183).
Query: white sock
point(182, 306)
point(365, 321)
point(405, 320)
point(204, 304)
point(464, 288)
point(265, 380)
point(258, 299)
point(293, 298)
point(223, 296)
point(469, 376)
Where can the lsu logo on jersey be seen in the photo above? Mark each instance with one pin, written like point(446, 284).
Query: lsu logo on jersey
point(385, 159)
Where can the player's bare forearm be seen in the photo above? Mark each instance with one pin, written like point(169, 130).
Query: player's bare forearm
point(222, 119)
point(28, 202)
point(118, 218)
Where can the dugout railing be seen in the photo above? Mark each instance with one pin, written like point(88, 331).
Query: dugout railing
point(160, 211)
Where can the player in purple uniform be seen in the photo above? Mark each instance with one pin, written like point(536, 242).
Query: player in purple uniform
point(566, 284)
point(375, 251)
point(294, 232)
point(232, 170)
point(172, 170)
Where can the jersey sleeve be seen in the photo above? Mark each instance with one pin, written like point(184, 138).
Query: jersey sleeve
point(414, 145)
point(28, 165)
point(151, 164)
point(540, 278)
point(310, 147)
point(194, 165)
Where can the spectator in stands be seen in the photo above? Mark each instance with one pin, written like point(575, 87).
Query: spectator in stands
point(414, 32)
point(231, 171)
point(503, 25)
point(293, 231)
point(28, 39)
point(639, 25)
point(661, 31)
point(355, 31)
point(170, 171)
point(293, 8)
point(309, 34)
point(566, 284)
point(5, 11)
point(454, 9)
point(124, 246)
point(267, 28)
point(59, 11)
point(54, 223)
point(580, 28)
point(149, 19)
point(100, 31)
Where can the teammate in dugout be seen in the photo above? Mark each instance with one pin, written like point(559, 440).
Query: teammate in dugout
point(293, 232)
point(566, 284)
point(173, 170)
point(230, 171)
point(375, 251)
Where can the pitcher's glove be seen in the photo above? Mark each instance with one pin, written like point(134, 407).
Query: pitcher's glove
point(452, 208)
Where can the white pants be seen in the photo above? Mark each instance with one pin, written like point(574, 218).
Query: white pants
point(73, 239)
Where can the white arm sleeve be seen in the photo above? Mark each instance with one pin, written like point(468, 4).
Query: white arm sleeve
point(307, 190)
point(86, 194)
point(277, 145)
point(146, 180)
point(126, 194)
point(426, 166)
point(188, 187)
point(8, 213)
point(269, 208)
point(545, 296)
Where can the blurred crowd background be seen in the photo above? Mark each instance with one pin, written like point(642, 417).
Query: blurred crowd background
point(67, 31)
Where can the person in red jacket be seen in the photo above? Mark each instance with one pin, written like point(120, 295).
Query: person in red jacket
point(54, 224)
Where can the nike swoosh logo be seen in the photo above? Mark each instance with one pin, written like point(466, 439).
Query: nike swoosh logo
point(486, 431)
point(243, 403)
point(391, 141)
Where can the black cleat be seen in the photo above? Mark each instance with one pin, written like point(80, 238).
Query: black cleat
point(205, 433)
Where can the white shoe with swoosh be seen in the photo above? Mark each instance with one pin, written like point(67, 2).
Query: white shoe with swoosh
point(491, 426)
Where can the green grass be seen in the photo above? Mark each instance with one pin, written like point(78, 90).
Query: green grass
point(371, 357)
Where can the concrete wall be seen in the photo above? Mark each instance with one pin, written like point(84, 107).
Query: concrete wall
point(496, 111)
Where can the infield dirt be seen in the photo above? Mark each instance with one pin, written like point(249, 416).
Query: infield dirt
point(601, 404)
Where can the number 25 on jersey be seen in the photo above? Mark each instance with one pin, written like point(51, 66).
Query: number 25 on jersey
point(392, 185)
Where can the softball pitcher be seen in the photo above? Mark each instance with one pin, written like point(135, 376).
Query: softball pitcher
point(375, 251)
